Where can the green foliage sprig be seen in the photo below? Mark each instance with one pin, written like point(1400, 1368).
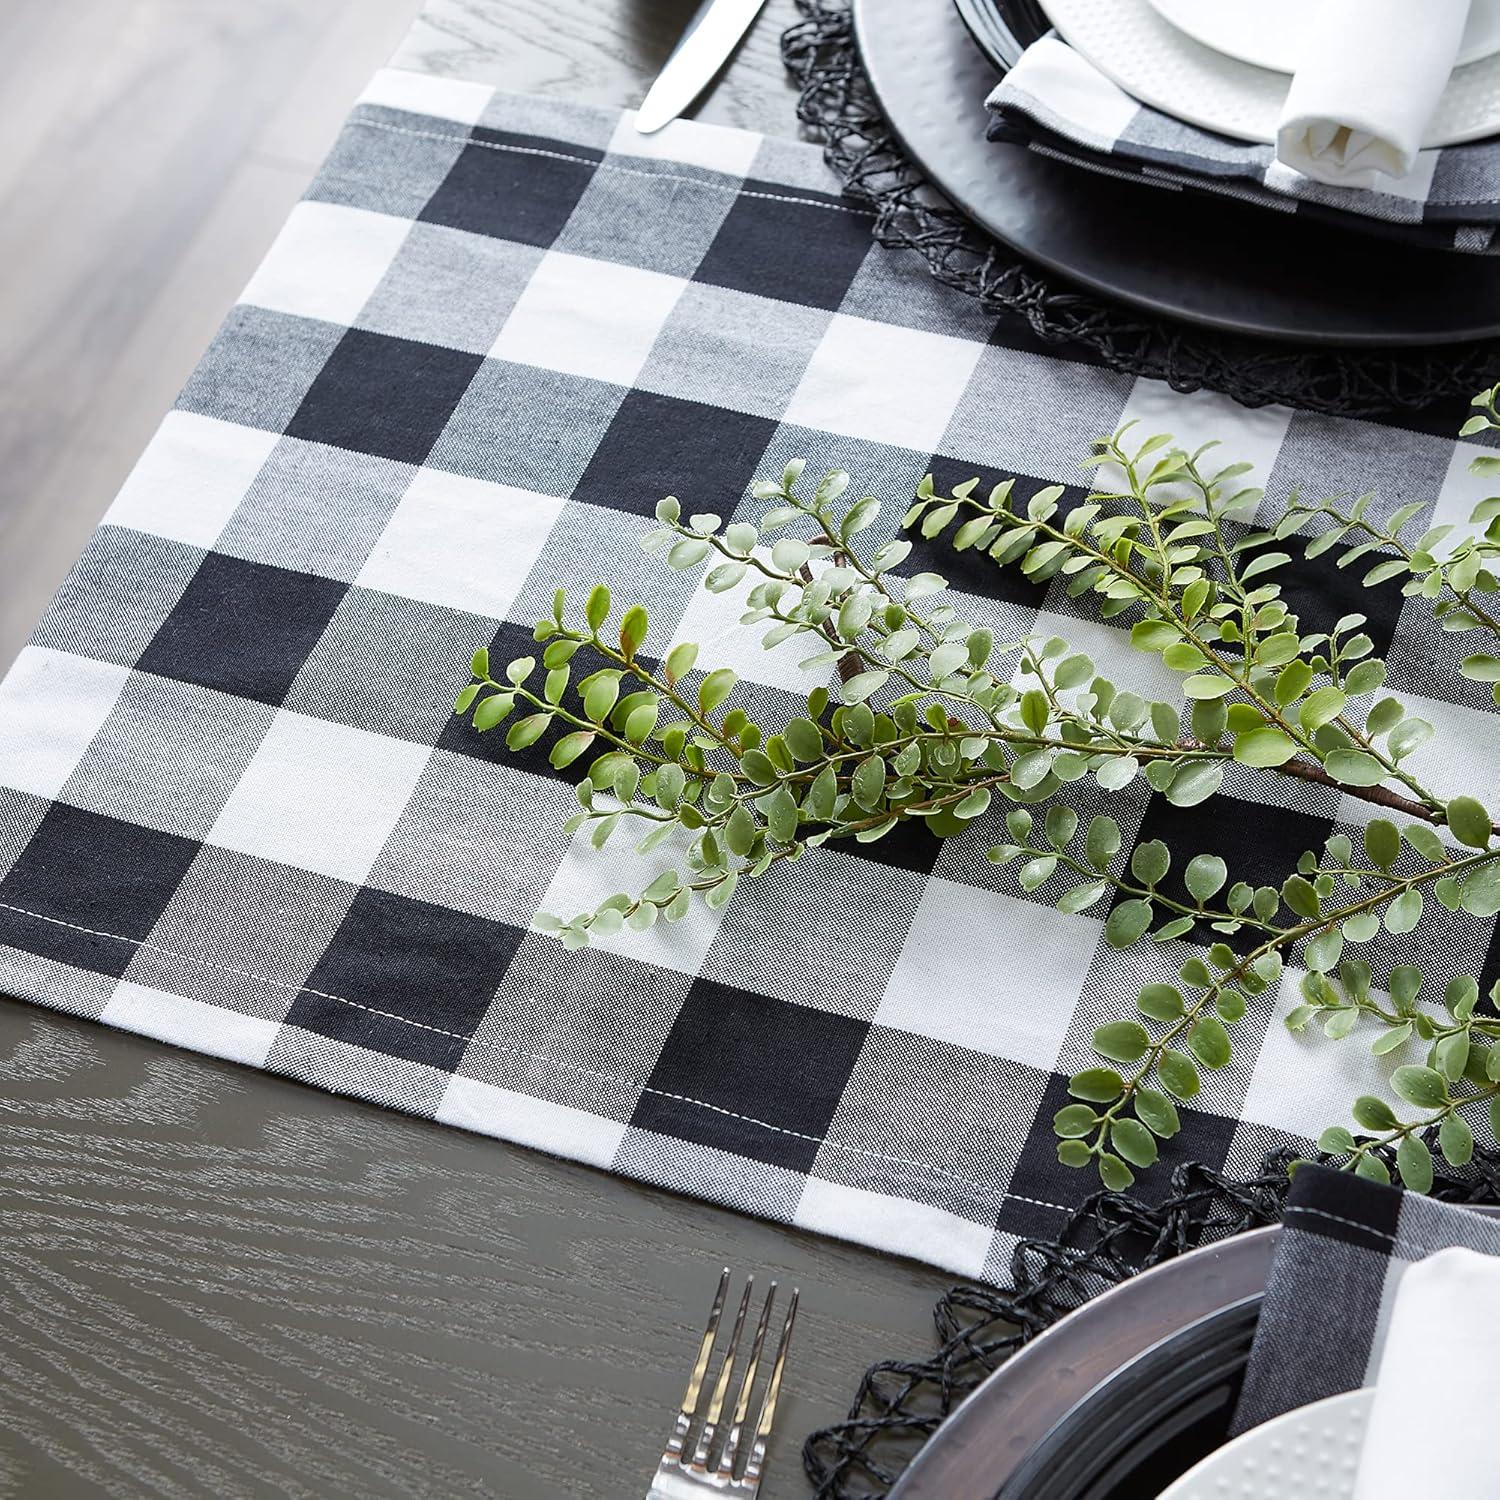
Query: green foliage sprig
point(937, 720)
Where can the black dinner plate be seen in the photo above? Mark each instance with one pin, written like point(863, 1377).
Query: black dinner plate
point(1188, 256)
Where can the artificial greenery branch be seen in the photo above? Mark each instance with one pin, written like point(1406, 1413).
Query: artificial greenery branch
point(936, 720)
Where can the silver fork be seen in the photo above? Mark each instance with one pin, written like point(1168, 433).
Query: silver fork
point(683, 1476)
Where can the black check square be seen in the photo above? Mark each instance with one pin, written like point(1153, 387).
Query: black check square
point(752, 1075)
point(1042, 1189)
point(1259, 842)
point(762, 246)
point(243, 627)
point(88, 889)
point(406, 978)
point(513, 187)
point(657, 444)
point(976, 572)
point(511, 643)
point(382, 395)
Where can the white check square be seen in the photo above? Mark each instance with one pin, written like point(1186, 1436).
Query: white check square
point(898, 386)
point(712, 622)
point(326, 262)
point(586, 876)
point(903, 1227)
point(1008, 989)
point(191, 478)
point(51, 707)
point(1461, 491)
point(538, 1123)
point(1302, 1082)
point(1245, 434)
point(320, 796)
point(460, 542)
point(588, 317)
point(422, 94)
point(190, 1023)
point(720, 148)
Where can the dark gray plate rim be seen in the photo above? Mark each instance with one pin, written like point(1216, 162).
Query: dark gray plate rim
point(978, 1448)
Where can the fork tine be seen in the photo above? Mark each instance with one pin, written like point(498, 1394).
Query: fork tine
point(757, 1457)
point(716, 1401)
point(742, 1401)
point(678, 1440)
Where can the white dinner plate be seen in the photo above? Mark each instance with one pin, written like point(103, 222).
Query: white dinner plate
point(1269, 33)
point(1131, 42)
point(1313, 1450)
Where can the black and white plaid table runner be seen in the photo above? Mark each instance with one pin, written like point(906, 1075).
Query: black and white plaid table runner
point(236, 814)
point(1344, 1247)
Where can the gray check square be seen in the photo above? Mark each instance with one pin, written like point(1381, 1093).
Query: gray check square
point(159, 572)
point(661, 216)
point(753, 1187)
point(259, 367)
point(242, 933)
point(579, 1029)
point(344, 1068)
point(388, 664)
point(147, 764)
point(387, 161)
point(896, 1131)
point(316, 509)
point(894, 286)
point(21, 815)
point(733, 349)
point(450, 287)
point(527, 427)
point(1022, 414)
point(824, 933)
point(477, 837)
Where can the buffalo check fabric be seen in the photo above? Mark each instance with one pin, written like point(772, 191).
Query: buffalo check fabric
point(236, 813)
point(1344, 1248)
point(1057, 103)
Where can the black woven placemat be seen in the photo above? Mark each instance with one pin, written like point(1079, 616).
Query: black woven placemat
point(838, 106)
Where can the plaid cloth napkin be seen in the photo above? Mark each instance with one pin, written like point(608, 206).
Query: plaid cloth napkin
point(236, 812)
point(1344, 1245)
point(1057, 103)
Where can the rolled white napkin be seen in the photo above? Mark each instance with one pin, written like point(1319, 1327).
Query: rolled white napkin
point(1371, 75)
point(1429, 1431)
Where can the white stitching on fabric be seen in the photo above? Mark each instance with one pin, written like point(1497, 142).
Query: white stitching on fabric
point(724, 187)
point(1322, 1213)
point(551, 1062)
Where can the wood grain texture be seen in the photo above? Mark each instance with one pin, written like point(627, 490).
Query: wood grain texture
point(216, 1282)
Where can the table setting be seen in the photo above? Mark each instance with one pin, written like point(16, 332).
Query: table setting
point(930, 684)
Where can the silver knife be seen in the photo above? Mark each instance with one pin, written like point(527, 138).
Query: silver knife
point(709, 39)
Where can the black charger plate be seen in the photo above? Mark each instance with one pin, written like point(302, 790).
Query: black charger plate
point(1117, 1399)
point(1188, 256)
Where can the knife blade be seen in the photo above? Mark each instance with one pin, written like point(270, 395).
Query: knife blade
point(709, 39)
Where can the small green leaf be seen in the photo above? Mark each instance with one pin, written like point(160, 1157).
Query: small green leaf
point(1373, 1113)
point(528, 731)
point(1162, 1002)
point(1354, 768)
point(1470, 822)
point(1134, 1142)
point(1178, 1074)
point(494, 710)
point(1208, 1041)
point(1424, 1087)
point(1113, 1172)
point(1382, 843)
point(1336, 1141)
point(1097, 1085)
point(1372, 1169)
point(1121, 1041)
point(1403, 914)
point(1481, 668)
point(1195, 782)
point(1205, 876)
point(1207, 686)
point(714, 689)
point(1074, 1154)
point(1158, 1112)
point(1150, 862)
point(1265, 746)
point(863, 684)
point(1320, 707)
point(1126, 923)
point(1414, 1162)
point(1074, 1120)
point(1456, 1140)
point(1102, 841)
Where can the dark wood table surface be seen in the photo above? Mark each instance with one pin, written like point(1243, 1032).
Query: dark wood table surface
point(216, 1282)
